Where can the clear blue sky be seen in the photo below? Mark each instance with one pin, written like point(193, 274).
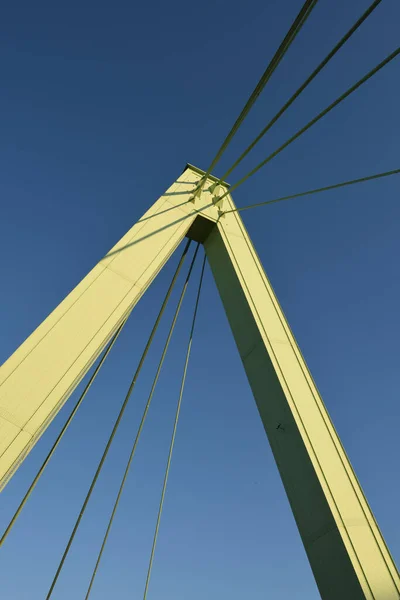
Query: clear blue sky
point(102, 104)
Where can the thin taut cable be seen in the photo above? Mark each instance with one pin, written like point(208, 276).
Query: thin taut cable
point(276, 59)
point(294, 137)
point(309, 79)
point(144, 415)
point(315, 191)
point(62, 432)
point(118, 420)
point(178, 409)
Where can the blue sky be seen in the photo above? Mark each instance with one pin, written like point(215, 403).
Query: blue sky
point(102, 105)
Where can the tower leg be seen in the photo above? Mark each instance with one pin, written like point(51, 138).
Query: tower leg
point(41, 374)
point(346, 550)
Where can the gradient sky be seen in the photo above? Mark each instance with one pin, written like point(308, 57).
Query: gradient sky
point(102, 104)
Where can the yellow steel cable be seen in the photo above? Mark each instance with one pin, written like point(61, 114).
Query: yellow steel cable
point(62, 432)
point(352, 89)
point(309, 79)
point(178, 409)
point(276, 59)
point(315, 191)
point(144, 415)
point(118, 420)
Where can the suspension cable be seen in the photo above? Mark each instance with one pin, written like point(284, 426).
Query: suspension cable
point(144, 415)
point(276, 59)
point(309, 79)
point(118, 420)
point(178, 408)
point(62, 432)
point(352, 89)
point(315, 191)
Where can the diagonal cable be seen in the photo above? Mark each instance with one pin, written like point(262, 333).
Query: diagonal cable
point(276, 59)
point(62, 432)
point(294, 137)
point(309, 79)
point(315, 191)
point(144, 415)
point(117, 422)
point(178, 409)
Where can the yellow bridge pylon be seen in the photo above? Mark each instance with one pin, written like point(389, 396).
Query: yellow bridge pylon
point(345, 547)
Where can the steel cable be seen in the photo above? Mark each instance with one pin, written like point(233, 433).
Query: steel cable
point(171, 448)
point(315, 191)
point(276, 59)
point(144, 415)
point(320, 115)
point(297, 93)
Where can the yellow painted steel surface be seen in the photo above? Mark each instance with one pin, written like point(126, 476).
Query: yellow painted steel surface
point(346, 550)
point(38, 378)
